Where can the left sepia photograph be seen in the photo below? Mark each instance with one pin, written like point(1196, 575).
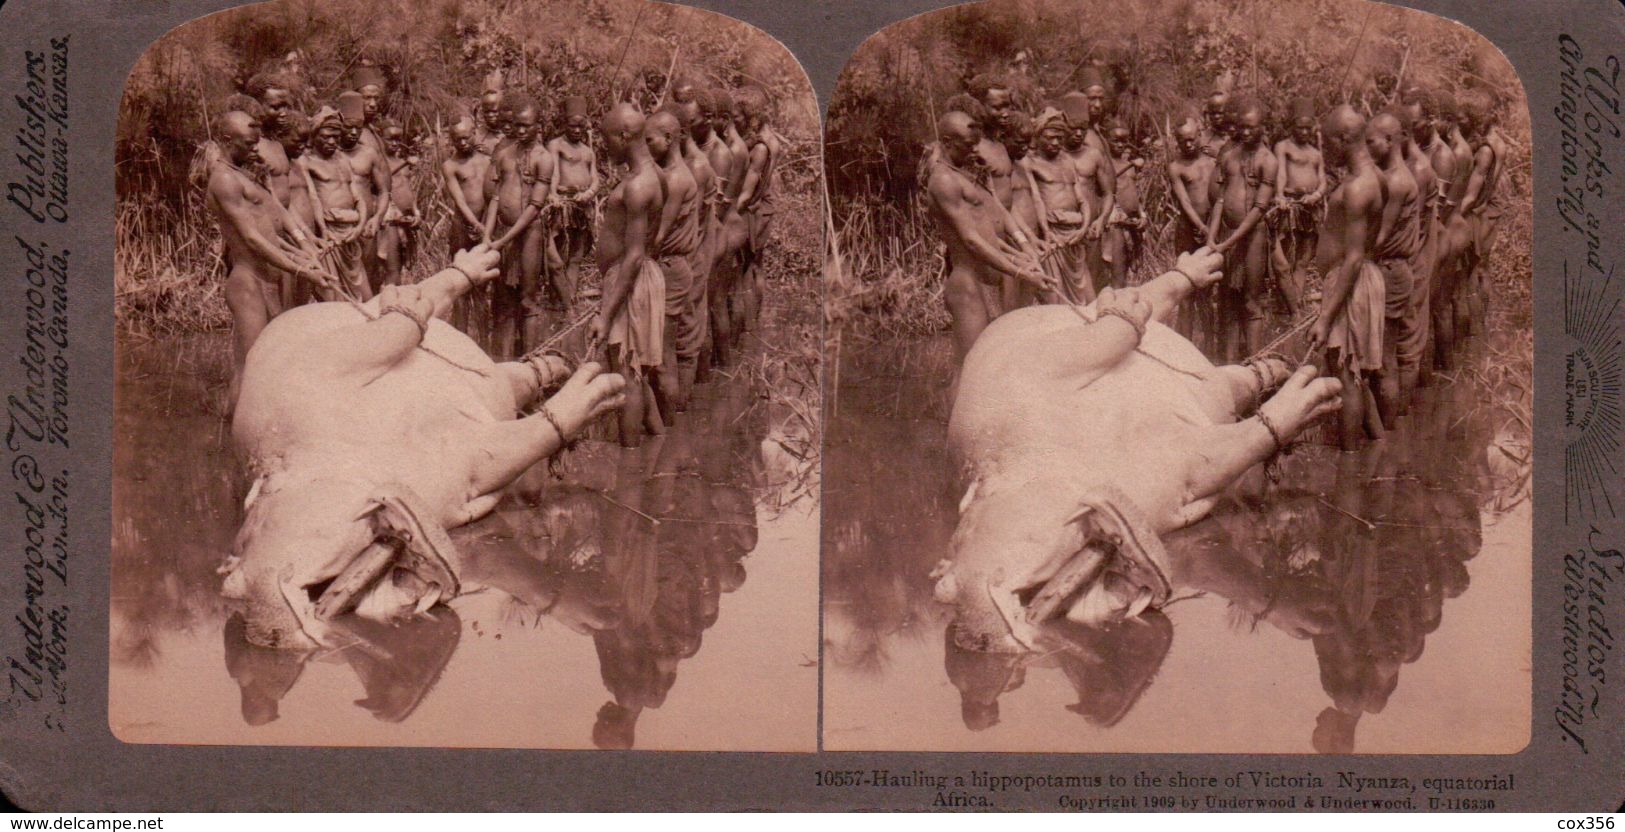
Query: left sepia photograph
point(467, 390)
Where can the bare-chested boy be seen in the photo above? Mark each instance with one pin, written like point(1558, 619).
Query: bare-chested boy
point(1099, 181)
point(339, 200)
point(521, 177)
point(676, 239)
point(397, 236)
point(1246, 179)
point(372, 169)
point(491, 122)
point(1300, 192)
point(260, 237)
point(463, 181)
point(1121, 244)
point(462, 178)
point(1191, 180)
point(978, 231)
point(576, 185)
point(1350, 323)
point(632, 316)
point(1063, 202)
point(1398, 241)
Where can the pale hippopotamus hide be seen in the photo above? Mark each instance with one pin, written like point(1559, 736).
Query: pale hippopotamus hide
point(365, 446)
point(1081, 449)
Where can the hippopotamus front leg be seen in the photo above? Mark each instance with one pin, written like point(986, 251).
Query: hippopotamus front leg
point(1224, 452)
point(399, 317)
point(503, 450)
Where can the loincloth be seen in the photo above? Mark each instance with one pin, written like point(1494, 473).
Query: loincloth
point(1357, 330)
point(758, 224)
point(1405, 307)
point(344, 259)
point(639, 326)
point(685, 295)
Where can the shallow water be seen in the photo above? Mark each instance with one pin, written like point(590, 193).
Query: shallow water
point(1376, 602)
point(696, 632)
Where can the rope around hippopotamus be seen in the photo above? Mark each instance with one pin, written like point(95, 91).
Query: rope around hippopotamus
point(343, 292)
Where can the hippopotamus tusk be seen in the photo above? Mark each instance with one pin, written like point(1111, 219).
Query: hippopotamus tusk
point(345, 591)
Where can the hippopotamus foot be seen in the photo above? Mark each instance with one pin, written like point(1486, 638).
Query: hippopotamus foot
point(1234, 391)
point(511, 447)
point(1228, 450)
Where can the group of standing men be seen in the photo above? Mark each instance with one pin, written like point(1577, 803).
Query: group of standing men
point(326, 207)
point(1396, 212)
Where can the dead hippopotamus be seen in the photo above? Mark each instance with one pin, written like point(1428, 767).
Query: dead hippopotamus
point(369, 430)
point(1086, 434)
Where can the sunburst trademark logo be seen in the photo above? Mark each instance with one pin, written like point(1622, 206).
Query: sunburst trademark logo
point(1590, 396)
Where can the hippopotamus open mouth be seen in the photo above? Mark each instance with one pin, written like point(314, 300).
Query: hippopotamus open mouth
point(312, 551)
point(1098, 567)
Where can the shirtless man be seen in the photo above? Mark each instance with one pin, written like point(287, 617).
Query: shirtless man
point(372, 169)
point(978, 232)
point(996, 95)
point(521, 177)
point(1216, 122)
point(576, 176)
point(1398, 240)
point(1094, 170)
point(370, 84)
point(1063, 202)
point(397, 237)
point(1300, 191)
point(722, 272)
point(1019, 135)
point(260, 236)
point(1418, 134)
point(1437, 115)
point(1191, 180)
point(631, 318)
point(755, 200)
point(736, 231)
point(339, 200)
point(275, 109)
point(1246, 179)
point(695, 129)
point(296, 142)
point(1099, 99)
point(462, 177)
point(1349, 326)
point(676, 239)
point(1121, 244)
point(1480, 202)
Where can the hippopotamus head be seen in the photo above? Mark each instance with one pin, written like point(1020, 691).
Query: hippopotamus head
point(295, 537)
point(1022, 557)
point(302, 538)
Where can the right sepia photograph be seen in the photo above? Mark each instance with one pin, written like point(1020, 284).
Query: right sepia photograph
point(1178, 385)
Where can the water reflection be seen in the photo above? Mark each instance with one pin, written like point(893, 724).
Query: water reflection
point(1352, 556)
point(630, 550)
